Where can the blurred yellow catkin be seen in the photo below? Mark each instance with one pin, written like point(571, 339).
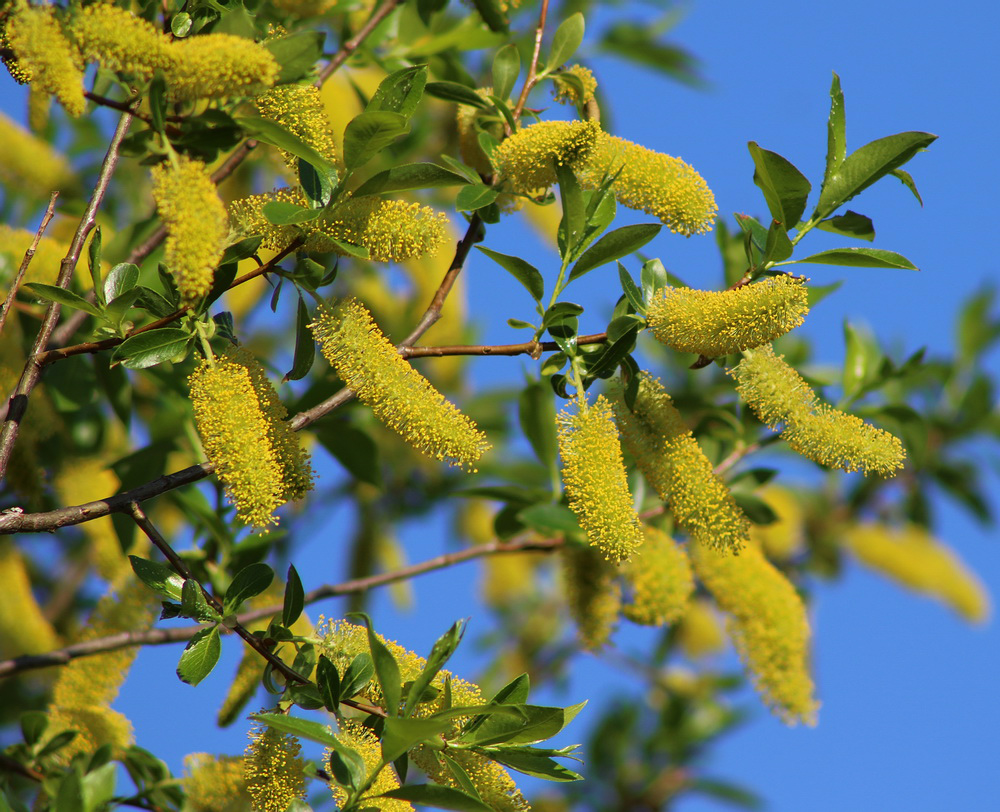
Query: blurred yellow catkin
point(659, 580)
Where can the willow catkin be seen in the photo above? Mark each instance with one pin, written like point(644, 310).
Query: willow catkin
point(299, 108)
point(659, 581)
point(592, 594)
point(214, 783)
point(219, 66)
point(121, 42)
point(273, 769)
point(363, 741)
point(528, 159)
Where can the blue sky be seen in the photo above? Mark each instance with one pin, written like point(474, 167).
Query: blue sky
point(909, 692)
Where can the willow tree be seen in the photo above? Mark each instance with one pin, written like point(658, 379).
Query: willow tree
point(340, 162)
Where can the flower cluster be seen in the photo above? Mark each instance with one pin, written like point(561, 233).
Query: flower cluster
point(469, 122)
point(28, 162)
point(779, 396)
point(592, 594)
point(299, 108)
point(578, 92)
point(215, 783)
point(714, 323)
point(363, 741)
point(400, 397)
point(528, 159)
point(659, 579)
point(273, 769)
point(24, 629)
point(594, 476)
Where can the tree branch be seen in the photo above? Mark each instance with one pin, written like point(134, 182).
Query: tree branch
point(349, 47)
point(530, 79)
point(28, 256)
point(532, 348)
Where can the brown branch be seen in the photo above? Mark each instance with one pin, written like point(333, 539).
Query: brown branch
point(530, 79)
point(532, 348)
point(29, 255)
point(32, 370)
point(349, 47)
point(159, 637)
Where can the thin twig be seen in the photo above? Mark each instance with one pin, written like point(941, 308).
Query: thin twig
point(159, 637)
point(532, 348)
point(530, 79)
point(349, 47)
point(32, 371)
point(29, 255)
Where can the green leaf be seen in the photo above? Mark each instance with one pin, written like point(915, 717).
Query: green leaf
point(976, 328)
point(69, 797)
point(305, 345)
point(537, 415)
point(400, 91)
point(860, 258)
point(357, 676)
point(33, 726)
point(754, 508)
point(614, 245)
point(492, 14)
point(180, 24)
point(868, 164)
point(455, 92)
point(728, 793)
point(785, 188)
point(637, 43)
point(526, 760)
point(475, 196)
point(52, 293)
point(151, 347)
point(778, 247)
point(573, 220)
point(248, 582)
point(907, 180)
point(620, 344)
point(849, 224)
point(566, 41)
point(441, 652)
point(200, 656)
point(270, 132)
point(401, 735)
point(284, 213)
point(328, 681)
point(157, 98)
point(115, 311)
point(506, 67)
point(294, 600)
point(99, 787)
point(653, 279)
point(296, 726)
point(120, 280)
point(242, 249)
point(368, 134)
point(549, 517)
point(410, 176)
point(862, 360)
point(438, 797)
point(836, 132)
point(754, 230)
point(160, 578)
point(94, 263)
point(297, 54)
point(632, 293)
point(194, 605)
point(316, 185)
point(522, 270)
point(539, 722)
point(386, 667)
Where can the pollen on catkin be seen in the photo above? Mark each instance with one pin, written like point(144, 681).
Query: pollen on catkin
point(196, 223)
point(45, 57)
point(215, 783)
point(399, 396)
point(767, 623)
point(568, 92)
point(593, 595)
point(363, 741)
point(299, 108)
point(273, 769)
point(659, 581)
point(714, 323)
point(528, 159)
point(30, 164)
point(121, 42)
point(671, 460)
point(779, 396)
point(219, 66)
point(916, 560)
point(24, 629)
point(657, 184)
point(593, 473)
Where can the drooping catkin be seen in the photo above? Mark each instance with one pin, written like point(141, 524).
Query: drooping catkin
point(24, 629)
point(273, 769)
point(592, 594)
point(215, 783)
point(399, 396)
point(45, 57)
point(196, 223)
point(30, 164)
point(219, 66)
point(700, 632)
point(122, 42)
point(299, 108)
point(659, 580)
point(528, 159)
point(767, 623)
point(671, 460)
point(658, 184)
point(714, 323)
point(912, 557)
point(593, 473)
point(779, 396)
point(363, 741)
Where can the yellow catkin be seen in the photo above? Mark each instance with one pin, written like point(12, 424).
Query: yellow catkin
point(215, 783)
point(24, 629)
point(363, 740)
point(196, 223)
point(47, 58)
point(659, 579)
point(273, 769)
point(44, 265)
point(657, 184)
point(493, 783)
point(767, 623)
point(784, 538)
point(714, 323)
point(528, 159)
point(29, 164)
point(673, 463)
point(592, 594)
point(300, 109)
point(219, 66)
point(566, 92)
point(778, 395)
point(594, 476)
point(915, 559)
point(84, 481)
point(122, 42)
point(95, 727)
point(700, 632)
point(399, 396)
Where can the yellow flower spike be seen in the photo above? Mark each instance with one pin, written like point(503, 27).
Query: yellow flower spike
point(916, 560)
point(660, 580)
point(767, 623)
point(300, 109)
point(714, 323)
point(46, 57)
point(219, 66)
point(95, 727)
point(657, 184)
point(196, 223)
point(671, 460)
point(778, 395)
point(273, 769)
point(700, 633)
point(24, 629)
point(215, 783)
point(594, 477)
point(784, 538)
point(400, 397)
point(528, 159)
point(567, 92)
point(30, 164)
point(592, 594)
point(364, 741)
point(121, 41)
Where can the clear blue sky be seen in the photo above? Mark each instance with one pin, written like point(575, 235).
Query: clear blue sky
point(909, 693)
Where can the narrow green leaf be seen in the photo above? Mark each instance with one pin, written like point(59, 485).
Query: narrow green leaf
point(284, 213)
point(400, 91)
point(116, 310)
point(296, 726)
point(458, 771)
point(194, 605)
point(294, 600)
point(441, 652)
point(297, 54)
point(316, 185)
point(849, 224)
point(754, 508)
point(836, 131)
point(548, 517)
point(242, 249)
point(632, 293)
point(386, 667)
point(566, 41)
point(438, 797)
point(410, 176)
point(33, 726)
point(653, 279)
point(492, 14)
point(474, 196)
point(305, 345)
point(248, 582)
point(151, 347)
point(614, 245)
point(606, 362)
point(99, 786)
point(121, 279)
point(525, 761)
point(69, 796)
point(522, 270)
point(785, 188)
point(270, 132)
point(455, 92)
point(537, 416)
point(200, 656)
point(357, 676)
point(506, 67)
point(401, 735)
point(368, 134)
point(158, 577)
point(862, 359)
point(860, 258)
point(907, 180)
point(328, 681)
point(573, 220)
point(94, 263)
point(52, 293)
point(754, 230)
